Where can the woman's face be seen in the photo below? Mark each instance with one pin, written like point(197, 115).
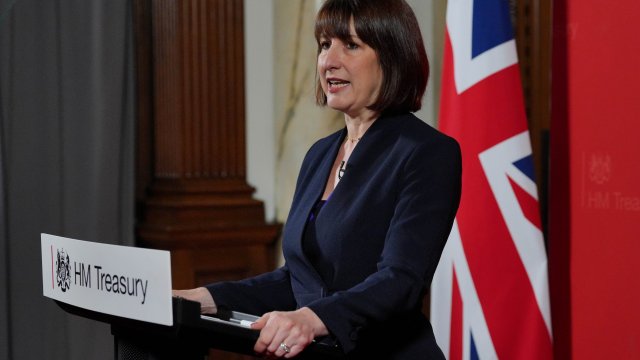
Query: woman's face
point(350, 74)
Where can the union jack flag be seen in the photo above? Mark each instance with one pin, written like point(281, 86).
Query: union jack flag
point(490, 295)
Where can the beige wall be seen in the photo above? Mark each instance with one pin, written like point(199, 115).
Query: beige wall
point(298, 121)
point(259, 93)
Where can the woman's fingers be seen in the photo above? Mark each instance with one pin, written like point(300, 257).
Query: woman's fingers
point(283, 334)
point(266, 333)
point(275, 327)
point(293, 345)
point(259, 324)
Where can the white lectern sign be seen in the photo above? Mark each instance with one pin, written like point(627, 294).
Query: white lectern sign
point(125, 281)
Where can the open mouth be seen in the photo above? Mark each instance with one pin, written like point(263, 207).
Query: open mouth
point(337, 83)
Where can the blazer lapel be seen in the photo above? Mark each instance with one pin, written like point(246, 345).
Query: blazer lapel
point(310, 197)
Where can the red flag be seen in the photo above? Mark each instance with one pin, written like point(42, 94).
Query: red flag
point(490, 292)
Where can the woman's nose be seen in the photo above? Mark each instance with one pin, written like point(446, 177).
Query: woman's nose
point(330, 58)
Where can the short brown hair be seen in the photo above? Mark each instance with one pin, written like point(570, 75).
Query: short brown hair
point(391, 29)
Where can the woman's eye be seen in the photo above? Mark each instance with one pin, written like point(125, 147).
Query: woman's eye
point(352, 46)
point(324, 45)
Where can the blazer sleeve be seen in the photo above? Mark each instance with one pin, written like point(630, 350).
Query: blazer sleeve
point(257, 295)
point(428, 198)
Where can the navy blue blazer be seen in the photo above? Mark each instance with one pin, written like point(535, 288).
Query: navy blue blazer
point(381, 234)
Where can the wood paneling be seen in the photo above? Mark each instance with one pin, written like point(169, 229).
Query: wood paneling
point(538, 33)
point(533, 38)
point(192, 195)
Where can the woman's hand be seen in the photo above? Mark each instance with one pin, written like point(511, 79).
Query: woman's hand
point(201, 295)
point(291, 330)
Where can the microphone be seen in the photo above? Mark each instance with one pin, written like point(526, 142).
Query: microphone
point(341, 170)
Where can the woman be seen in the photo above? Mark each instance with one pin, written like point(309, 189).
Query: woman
point(373, 206)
